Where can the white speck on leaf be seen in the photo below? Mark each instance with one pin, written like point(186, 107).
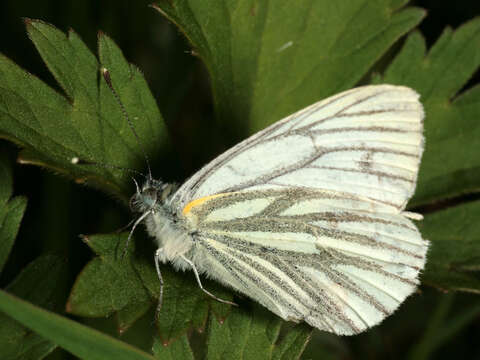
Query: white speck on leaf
point(285, 46)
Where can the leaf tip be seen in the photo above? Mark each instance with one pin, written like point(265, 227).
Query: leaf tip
point(80, 181)
point(159, 9)
point(27, 21)
point(68, 307)
point(153, 6)
point(106, 76)
point(100, 36)
point(165, 343)
point(157, 6)
point(194, 53)
point(122, 329)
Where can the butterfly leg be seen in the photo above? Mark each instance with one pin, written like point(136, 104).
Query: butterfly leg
point(160, 278)
point(200, 283)
point(138, 221)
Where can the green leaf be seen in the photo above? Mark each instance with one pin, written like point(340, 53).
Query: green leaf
point(39, 283)
point(87, 122)
point(178, 350)
point(78, 339)
point(109, 284)
point(293, 344)
point(268, 59)
point(184, 305)
point(254, 334)
point(454, 256)
point(450, 165)
point(11, 211)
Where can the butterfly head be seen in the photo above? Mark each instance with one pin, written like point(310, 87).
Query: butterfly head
point(153, 193)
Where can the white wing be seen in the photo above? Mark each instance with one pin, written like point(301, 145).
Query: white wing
point(306, 216)
point(323, 257)
point(366, 141)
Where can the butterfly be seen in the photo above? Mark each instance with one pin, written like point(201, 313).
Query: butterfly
point(306, 217)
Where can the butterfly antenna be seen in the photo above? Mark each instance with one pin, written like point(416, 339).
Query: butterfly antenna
point(106, 76)
point(77, 161)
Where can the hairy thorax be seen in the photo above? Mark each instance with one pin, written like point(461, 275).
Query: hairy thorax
point(171, 231)
point(170, 234)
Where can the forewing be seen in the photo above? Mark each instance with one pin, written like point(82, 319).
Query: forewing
point(366, 141)
point(330, 259)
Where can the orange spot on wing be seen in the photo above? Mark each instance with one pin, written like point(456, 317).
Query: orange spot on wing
point(197, 202)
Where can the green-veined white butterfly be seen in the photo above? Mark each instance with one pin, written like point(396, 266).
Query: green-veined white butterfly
point(306, 216)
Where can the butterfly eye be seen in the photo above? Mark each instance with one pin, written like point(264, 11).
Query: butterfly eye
point(144, 200)
point(133, 203)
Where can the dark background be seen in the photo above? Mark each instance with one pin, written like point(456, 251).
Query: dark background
point(59, 210)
